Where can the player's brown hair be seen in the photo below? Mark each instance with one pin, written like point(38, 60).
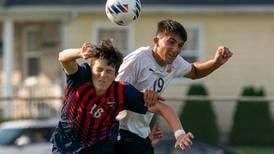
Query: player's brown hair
point(105, 50)
point(171, 26)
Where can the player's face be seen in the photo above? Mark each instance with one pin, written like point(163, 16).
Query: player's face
point(168, 46)
point(102, 75)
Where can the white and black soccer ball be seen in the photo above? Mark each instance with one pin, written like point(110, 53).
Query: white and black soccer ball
point(123, 12)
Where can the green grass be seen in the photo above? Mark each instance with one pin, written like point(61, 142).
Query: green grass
point(256, 150)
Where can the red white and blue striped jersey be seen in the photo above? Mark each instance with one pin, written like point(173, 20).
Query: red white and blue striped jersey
point(90, 119)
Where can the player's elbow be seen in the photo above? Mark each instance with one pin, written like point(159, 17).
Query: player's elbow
point(61, 57)
point(156, 108)
point(194, 73)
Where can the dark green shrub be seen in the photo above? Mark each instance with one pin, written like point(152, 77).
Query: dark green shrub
point(2, 119)
point(198, 116)
point(252, 124)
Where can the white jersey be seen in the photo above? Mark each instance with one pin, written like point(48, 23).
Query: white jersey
point(140, 69)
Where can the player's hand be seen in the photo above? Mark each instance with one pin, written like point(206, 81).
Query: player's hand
point(222, 55)
point(156, 134)
point(184, 141)
point(88, 50)
point(151, 97)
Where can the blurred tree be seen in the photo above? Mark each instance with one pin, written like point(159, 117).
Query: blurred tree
point(198, 116)
point(252, 124)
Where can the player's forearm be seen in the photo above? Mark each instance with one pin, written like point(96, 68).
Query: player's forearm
point(202, 69)
point(69, 55)
point(68, 59)
point(169, 114)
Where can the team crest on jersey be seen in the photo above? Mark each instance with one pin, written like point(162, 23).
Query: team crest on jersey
point(110, 101)
point(169, 68)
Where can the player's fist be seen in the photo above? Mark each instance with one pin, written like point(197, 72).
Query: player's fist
point(156, 134)
point(151, 97)
point(88, 50)
point(184, 141)
point(222, 55)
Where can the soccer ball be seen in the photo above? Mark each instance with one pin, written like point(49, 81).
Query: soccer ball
point(123, 12)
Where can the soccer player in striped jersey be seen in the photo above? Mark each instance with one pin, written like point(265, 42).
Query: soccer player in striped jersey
point(93, 99)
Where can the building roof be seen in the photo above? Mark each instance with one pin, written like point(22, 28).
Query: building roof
point(148, 6)
point(144, 2)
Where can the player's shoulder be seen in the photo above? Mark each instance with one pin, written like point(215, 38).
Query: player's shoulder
point(180, 60)
point(84, 67)
point(139, 58)
point(125, 84)
point(180, 64)
point(81, 68)
point(141, 52)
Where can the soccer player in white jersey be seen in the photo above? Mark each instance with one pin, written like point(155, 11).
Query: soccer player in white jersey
point(153, 68)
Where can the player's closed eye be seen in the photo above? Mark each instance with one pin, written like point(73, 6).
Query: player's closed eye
point(98, 69)
point(110, 71)
point(171, 42)
point(180, 45)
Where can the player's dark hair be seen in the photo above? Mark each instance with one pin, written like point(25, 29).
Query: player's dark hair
point(171, 26)
point(105, 50)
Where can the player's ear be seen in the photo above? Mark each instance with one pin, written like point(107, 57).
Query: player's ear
point(155, 39)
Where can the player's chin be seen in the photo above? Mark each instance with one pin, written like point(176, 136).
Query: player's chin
point(170, 61)
point(102, 86)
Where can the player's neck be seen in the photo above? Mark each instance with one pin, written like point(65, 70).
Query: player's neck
point(100, 92)
point(158, 59)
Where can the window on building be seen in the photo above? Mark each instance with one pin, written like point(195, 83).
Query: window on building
point(32, 53)
point(1, 48)
point(33, 66)
point(120, 36)
point(192, 49)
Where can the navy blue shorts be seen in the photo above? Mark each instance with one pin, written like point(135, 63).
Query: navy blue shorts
point(131, 143)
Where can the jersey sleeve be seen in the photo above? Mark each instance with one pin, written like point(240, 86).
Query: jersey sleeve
point(134, 100)
point(83, 74)
point(128, 71)
point(183, 67)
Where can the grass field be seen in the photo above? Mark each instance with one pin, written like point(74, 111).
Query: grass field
point(250, 150)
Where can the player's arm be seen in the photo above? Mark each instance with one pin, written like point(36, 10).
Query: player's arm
point(168, 113)
point(137, 104)
point(183, 140)
point(202, 69)
point(137, 101)
point(68, 57)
